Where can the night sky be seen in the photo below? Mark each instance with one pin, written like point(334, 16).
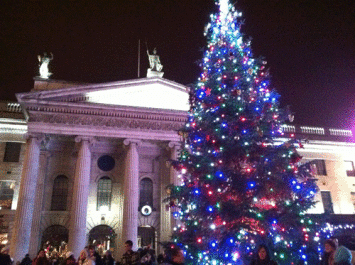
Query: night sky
point(309, 46)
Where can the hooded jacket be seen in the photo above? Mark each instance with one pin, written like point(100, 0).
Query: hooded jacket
point(342, 256)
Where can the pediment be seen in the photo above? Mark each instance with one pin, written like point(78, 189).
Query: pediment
point(155, 93)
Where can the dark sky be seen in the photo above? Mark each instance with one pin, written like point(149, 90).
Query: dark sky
point(309, 46)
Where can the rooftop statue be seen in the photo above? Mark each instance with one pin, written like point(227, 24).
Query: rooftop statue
point(43, 65)
point(154, 61)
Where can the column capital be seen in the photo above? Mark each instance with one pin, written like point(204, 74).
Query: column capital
point(81, 138)
point(129, 141)
point(38, 136)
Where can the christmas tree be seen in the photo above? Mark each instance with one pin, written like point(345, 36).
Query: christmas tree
point(242, 183)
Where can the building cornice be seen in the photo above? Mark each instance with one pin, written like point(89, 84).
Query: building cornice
point(80, 91)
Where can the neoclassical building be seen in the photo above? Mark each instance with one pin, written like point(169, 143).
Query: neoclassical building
point(89, 164)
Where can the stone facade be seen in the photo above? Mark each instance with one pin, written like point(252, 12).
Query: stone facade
point(64, 132)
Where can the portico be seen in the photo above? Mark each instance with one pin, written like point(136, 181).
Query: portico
point(68, 132)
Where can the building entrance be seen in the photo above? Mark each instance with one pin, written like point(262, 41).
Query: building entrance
point(146, 236)
point(55, 238)
point(102, 237)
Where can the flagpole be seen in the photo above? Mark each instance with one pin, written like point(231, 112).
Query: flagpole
point(139, 57)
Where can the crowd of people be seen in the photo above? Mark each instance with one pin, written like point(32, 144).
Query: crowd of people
point(173, 255)
point(335, 254)
point(90, 256)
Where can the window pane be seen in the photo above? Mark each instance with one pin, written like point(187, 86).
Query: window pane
point(60, 194)
point(104, 192)
point(327, 202)
point(319, 166)
point(353, 199)
point(12, 152)
point(6, 194)
point(146, 193)
point(349, 166)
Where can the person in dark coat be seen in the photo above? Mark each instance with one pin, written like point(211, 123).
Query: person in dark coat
point(5, 258)
point(263, 257)
point(26, 260)
point(130, 257)
point(108, 259)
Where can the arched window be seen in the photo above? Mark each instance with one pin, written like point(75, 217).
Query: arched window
point(104, 193)
point(146, 193)
point(60, 194)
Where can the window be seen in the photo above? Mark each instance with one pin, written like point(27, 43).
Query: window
point(104, 193)
point(12, 152)
point(6, 194)
point(319, 168)
point(327, 202)
point(60, 194)
point(353, 199)
point(350, 170)
point(146, 193)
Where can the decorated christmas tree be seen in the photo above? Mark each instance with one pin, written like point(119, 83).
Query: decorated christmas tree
point(242, 183)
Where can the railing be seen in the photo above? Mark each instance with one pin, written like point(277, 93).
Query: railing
point(340, 132)
point(312, 130)
point(14, 107)
point(289, 128)
point(10, 107)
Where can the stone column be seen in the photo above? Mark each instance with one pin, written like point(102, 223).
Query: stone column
point(131, 192)
point(166, 222)
point(20, 240)
point(78, 214)
point(35, 235)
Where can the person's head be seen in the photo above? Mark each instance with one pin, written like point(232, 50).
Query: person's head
point(91, 251)
point(41, 253)
point(177, 256)
point(128, 245)
point(330, 246)
point(83, 254)
point(263, 253)
point(160, 258)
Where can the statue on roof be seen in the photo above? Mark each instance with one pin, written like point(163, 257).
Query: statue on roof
point(43, 65)
point(154, 61)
